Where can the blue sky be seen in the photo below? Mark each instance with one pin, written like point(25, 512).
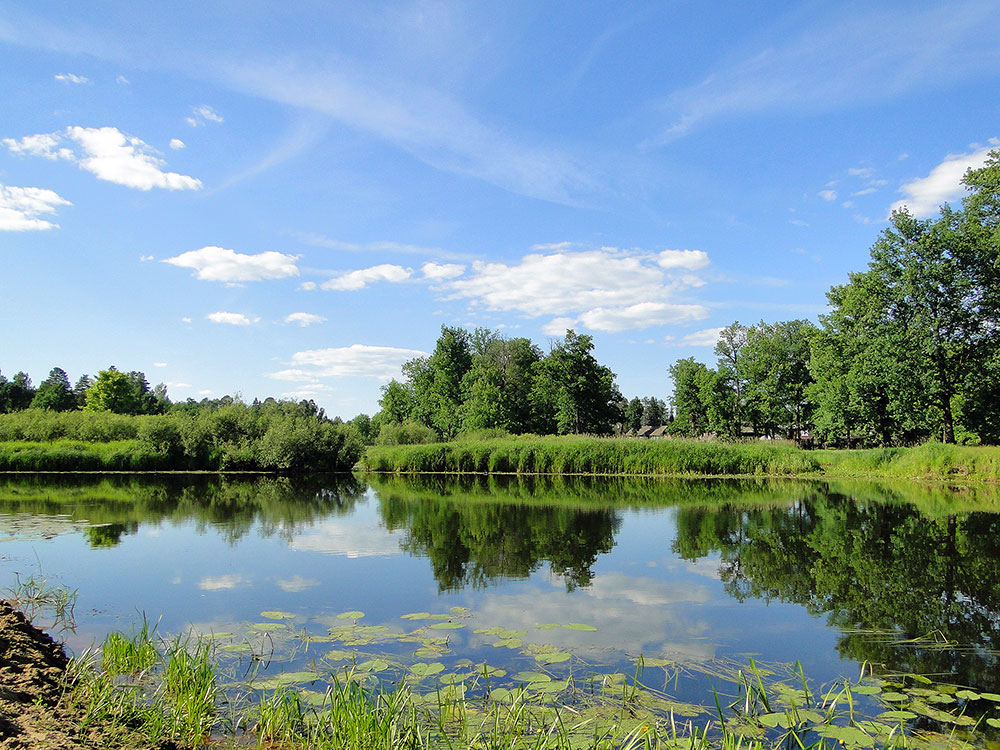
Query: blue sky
point(291, 198)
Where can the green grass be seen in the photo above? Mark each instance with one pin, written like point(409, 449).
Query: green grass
point(529, 454)
point(592, 455)
point(77, 455)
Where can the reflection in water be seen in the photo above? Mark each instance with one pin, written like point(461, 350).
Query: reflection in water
point(914, 561)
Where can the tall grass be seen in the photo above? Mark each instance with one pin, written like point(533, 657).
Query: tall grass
point(928, 461)
point(591, 455)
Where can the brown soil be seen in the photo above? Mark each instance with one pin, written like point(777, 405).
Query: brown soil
point(33, 713)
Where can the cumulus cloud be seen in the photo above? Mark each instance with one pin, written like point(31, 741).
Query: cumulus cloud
point(177, 144)
point(354, 280)
point(71, 78)
point(201, 115)
point(303, 318)
point(704, 337)
point(220, 264)
point(691, 260)
point(828, 195)
point(357, 360)
point(233, 319)
point(925, 195)
point(605, 290)
point(441, 271)
point(108, 154)
point(21, 207)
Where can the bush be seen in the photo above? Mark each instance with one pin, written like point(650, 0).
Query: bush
point(405, 433)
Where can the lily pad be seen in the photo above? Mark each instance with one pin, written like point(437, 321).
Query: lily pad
point(548, 626)
point(895, 697)
point(902, 715)
point(993, 722)
point(285, 678)
point(372, 665)
point(215, 636)
point(579, 626)
point(553, 657)
point(532, 677)
point(268, 626)
point(968, 695)
point(512, 643)
point(354, 614)
point(235, 647)
point(447, 626)
point(339, 655)
point(274, 614)
point(866, 690)
point(423, 669)
point(775, 720)
point(416, 615)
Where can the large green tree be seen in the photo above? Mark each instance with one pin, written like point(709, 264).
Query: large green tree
point(54, 393)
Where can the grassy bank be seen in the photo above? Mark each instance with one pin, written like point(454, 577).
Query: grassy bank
point(270, 437)
point(591, 455)
point(138, 690)
point(618, 456)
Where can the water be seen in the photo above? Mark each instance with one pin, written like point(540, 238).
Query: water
point(694, 572)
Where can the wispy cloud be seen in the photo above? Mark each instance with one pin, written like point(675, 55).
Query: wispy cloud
point(357, 360)
point(21, 207)
point(304, 319)
point(843, 58)
point(202, 114)
point(71, 78)
point(925, 195)
point(380, 247)
point(107, 153)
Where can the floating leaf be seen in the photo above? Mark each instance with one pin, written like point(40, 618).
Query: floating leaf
point(235, 647)
point(553, 686)
point(447, 625)
point(993, 722)
point(354, 614)
point(495, 630)
point(459, 610)
point(548, 626)
point(775, 720)
point(579, 626)
point(487, 671)
point(453, 678)
point(655, 662)
point(848, 735)
point(274, 614)
point(416, 615)
point(438, 617)
point(507, 634)
point(502, 694)
point(532, 677)
point(968, 695)
point(990, 697)
point(423, 669)
point(553, 657)
point(339, 655)
point(508, 643)
point(429, 652)
point(866, 690)
point(895, 697)
point(285, 678)
point(372, 665)
point(268, 626)
point(897, 715)
point(215, 636)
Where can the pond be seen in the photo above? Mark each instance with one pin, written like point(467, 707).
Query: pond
point(529, 575)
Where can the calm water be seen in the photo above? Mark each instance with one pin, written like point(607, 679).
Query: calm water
point(690, 571)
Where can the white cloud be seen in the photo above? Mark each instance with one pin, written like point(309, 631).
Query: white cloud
point(71, 78)
point(354, 280)
point(221, 583)
point(172, 384)
point(944, 183)
point(863, 172)
point(20, 208)
point(185, 320)
point(303, 318)
point(233, 319)
point(202, 114)
point(348, 537)
point(554, 246)
point(146, 258)
point(220, 264)
point(606, 289)
point(308, 286)
point(379, 246)
point(159, 364)
point(828, 195)
point(205, 392)
point(293, 376)
point(704, 337)
point(357, 360)
point(122, 80)
point(692, 260)
point(176, 144)
point(108, 154)
point(441, 271)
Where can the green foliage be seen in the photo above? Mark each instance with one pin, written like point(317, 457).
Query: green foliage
point(586, 455)
point(15, 394)
point(273, 436)
point(405, 433)
point(54, 392)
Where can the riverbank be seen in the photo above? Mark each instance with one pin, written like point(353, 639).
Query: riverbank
point(676, 457)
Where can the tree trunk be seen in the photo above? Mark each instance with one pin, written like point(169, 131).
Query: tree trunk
point(949, 422)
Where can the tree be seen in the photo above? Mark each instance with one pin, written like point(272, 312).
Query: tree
point(573, 393)
point(114, 391)
point(396, 404)
point(497, 387)
point(54, 393)
point(16, 394)
point(729, 350)
point(691, 381)
point(654, 412)
point(633, 415)
point(80, 390)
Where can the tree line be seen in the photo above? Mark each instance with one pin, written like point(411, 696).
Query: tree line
point(910, 349)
